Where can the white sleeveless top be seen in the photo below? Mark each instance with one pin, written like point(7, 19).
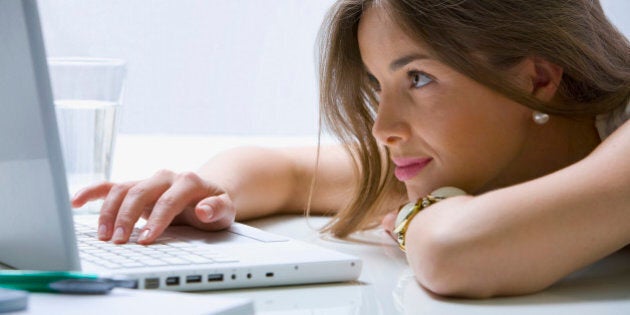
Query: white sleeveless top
point(607, 123)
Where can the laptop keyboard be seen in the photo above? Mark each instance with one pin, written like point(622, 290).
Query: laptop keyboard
point(166, 251)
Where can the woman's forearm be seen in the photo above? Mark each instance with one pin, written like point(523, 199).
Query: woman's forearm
point(523, 238)
point(264, 181)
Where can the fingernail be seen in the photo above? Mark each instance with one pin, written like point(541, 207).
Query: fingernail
point(144, 235)
point(208, 210)
point(102, 231)
point(76, 194)
point(119, 234)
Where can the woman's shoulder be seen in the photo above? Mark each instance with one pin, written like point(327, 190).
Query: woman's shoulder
point(609, 122)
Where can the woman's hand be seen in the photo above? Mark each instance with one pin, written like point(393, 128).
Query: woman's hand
point(164, 198)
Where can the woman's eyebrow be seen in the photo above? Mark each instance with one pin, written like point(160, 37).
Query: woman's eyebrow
point(403, 61)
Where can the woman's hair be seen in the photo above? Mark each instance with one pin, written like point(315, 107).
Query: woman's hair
point(480, 39)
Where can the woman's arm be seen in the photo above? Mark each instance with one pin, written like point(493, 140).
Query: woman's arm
point(265, 181)
point(245, 182)
point(523, 238)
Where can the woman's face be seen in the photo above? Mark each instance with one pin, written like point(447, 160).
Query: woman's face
point(442, 128)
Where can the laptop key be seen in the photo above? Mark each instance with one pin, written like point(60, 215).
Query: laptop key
point(166, 251)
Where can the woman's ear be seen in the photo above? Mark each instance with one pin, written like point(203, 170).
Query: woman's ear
point(542, 76)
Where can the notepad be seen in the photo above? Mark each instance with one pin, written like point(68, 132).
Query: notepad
point(127, 301)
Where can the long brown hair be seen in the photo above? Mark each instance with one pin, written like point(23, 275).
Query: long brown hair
point(480, 39)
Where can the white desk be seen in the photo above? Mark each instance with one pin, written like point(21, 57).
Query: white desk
point(386, 285)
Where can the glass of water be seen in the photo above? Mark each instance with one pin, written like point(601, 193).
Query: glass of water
point(88, 95)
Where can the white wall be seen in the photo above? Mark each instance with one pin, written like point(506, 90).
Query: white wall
point(209, 66)
point(618, 12)
point(200, 66)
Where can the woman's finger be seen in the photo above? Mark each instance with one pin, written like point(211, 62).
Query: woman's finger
point(90, 193)
point(109, 209)
point(215, 212)
point(136, 200)
point(186, 189)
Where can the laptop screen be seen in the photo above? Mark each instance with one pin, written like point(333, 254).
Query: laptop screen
point(36, 230)
point(36, 225)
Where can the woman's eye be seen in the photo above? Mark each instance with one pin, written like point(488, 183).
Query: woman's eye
point(419, 79)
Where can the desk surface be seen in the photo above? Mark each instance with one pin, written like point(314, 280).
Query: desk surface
point(386, 285)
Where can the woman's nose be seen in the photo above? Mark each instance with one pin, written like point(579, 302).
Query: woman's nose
point(390, 126)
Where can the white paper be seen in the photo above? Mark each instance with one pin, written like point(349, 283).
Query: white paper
point(127, 301)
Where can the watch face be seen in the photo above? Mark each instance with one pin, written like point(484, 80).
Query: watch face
point(404, 212)
point(445, 192)
point(412, 208)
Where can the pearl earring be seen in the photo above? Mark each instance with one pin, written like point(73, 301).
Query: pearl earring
point(540, 118)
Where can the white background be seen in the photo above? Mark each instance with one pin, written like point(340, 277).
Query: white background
point(235, 67)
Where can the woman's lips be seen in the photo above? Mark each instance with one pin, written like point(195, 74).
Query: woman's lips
point(408, 168)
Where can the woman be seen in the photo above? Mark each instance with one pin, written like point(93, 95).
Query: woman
point(522, 104)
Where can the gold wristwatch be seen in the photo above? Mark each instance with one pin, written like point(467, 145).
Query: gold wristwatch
point(409, 211)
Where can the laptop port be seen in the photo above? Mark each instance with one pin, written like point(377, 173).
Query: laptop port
point(193, 279)
point(215, 277)
point(151, 283)
point(172, 281)
point(269, 275)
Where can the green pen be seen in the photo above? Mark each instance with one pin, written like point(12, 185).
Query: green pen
point(60, 282)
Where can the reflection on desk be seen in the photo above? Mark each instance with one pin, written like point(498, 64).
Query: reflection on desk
point(602, 288)
point(386, 285)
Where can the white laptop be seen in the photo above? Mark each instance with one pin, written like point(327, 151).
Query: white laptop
point(37, 231)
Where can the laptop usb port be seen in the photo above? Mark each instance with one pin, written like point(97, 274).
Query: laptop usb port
point(193, 279)
point(215, 277)
point(269, 274)
point(151, 283)
point(172, 281)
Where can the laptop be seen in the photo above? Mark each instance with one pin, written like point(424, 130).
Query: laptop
point(39, 232)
